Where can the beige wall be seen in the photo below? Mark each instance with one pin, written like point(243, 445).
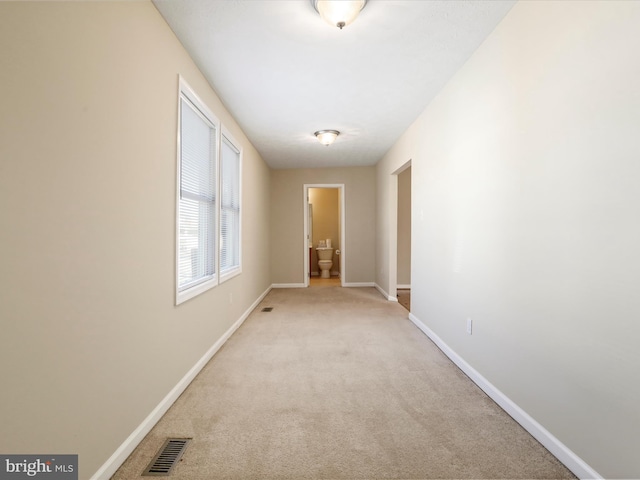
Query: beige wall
point(525, 218)
point(404, 227)
point(287, 221)
point(326, 223)
point(91, 338)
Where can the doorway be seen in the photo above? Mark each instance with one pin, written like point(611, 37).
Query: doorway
point(403, 236)
point(324, 228)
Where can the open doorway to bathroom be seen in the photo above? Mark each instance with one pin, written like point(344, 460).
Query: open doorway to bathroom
point(324, 235)
point(403, 279)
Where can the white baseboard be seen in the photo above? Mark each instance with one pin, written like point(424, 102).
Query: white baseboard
point(122, 453)
point(572, 461)
point(404, 286)
point(287, 285)
point(385, 294)
point(358, 284)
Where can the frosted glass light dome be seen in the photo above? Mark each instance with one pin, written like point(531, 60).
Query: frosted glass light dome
point(327, 137)
point(339, 13)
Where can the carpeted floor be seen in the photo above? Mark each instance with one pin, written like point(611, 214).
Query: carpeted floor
point(337, 383)
point(324, 282)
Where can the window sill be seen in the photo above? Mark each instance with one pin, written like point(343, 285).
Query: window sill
point(229, 274)
point(196, 290)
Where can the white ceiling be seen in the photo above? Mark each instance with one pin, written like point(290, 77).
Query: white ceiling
point(284, 73)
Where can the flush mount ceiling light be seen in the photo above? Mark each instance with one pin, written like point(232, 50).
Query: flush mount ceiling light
point(327, 137)
point(338, 13)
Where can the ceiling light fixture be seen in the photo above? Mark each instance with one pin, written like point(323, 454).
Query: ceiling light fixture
point(338, 13)
point(327, 137)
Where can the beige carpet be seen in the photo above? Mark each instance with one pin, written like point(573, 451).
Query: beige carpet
point(337, 383)
point(324, 282)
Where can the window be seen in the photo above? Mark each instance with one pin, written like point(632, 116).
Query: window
point(197, 204)
point(229, 207)
point(208, 220)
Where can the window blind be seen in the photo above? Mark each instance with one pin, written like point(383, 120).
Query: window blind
point(197, 200)
point(229, 206)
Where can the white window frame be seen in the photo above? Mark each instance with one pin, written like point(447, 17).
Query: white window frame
point(236, 269)
point(186, 93)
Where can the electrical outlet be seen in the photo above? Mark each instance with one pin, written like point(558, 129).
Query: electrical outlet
point(469, 326)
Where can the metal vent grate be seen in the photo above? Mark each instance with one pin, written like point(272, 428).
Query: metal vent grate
point(166, 458)
point(267, 309)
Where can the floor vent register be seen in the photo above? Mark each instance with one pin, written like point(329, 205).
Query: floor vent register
point(166, 458)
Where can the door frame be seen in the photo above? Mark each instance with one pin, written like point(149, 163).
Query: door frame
point(393, 231)
point(305, 209)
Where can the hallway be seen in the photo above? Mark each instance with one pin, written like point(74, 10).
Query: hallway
point(338, 383)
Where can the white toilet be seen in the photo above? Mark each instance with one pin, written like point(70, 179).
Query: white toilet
point(325, 262)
